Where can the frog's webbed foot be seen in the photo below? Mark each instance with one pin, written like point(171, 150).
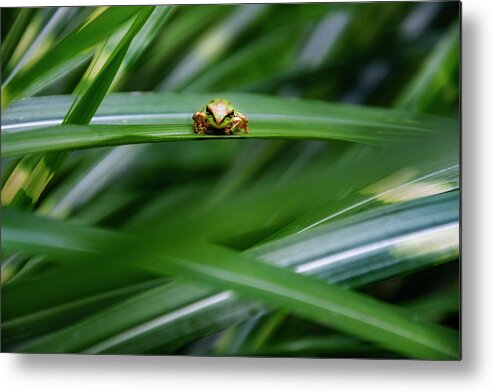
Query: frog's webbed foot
point(199, 123)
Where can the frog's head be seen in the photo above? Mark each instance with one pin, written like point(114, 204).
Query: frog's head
point(219, 113)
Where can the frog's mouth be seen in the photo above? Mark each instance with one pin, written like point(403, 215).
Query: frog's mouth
point(214, 124)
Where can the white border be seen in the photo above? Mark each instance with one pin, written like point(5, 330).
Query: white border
point(88, 373)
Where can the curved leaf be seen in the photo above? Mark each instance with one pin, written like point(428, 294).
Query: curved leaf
point(165, 117)
point(309, 297)
point(70, 47)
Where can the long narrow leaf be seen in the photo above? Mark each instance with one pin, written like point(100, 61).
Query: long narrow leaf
point(33, 174)
point(74, 44)
point(19, 27)
point(439, 70)
point(170, 119)
point(321, 302)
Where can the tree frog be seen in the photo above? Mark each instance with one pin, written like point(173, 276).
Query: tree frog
point(219, 116)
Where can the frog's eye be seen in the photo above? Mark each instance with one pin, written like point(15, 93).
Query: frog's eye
point(230, 115)
point(208, 111)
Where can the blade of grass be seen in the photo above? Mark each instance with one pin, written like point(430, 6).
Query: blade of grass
point(211, 46)
point(213, 272)
point(436, 175)
point(29, 80)
point(102, 54)
point(332, 249)
point(337, 346)
point(43, 39)
point(10, 42)
point(269, 118)
point(33, 174)
point(137, 47)
point(84, 108)
point(437, 305)
point(51, 319)
point(262, 336)
point(316, 300)
point(310, 298)
point(406, 185)
point(180, 31)
point(87, 181)
point(143, 306)
point(143, 40)
point(241, 67)
point(305, 296)
point(155, 108)
point(435, 76)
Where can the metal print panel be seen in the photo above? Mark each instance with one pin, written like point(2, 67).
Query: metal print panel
point(277, 180)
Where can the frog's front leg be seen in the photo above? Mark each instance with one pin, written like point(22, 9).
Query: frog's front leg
point(240, 122)
point(244, 123)
point(235, 123)
point(199, 123)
